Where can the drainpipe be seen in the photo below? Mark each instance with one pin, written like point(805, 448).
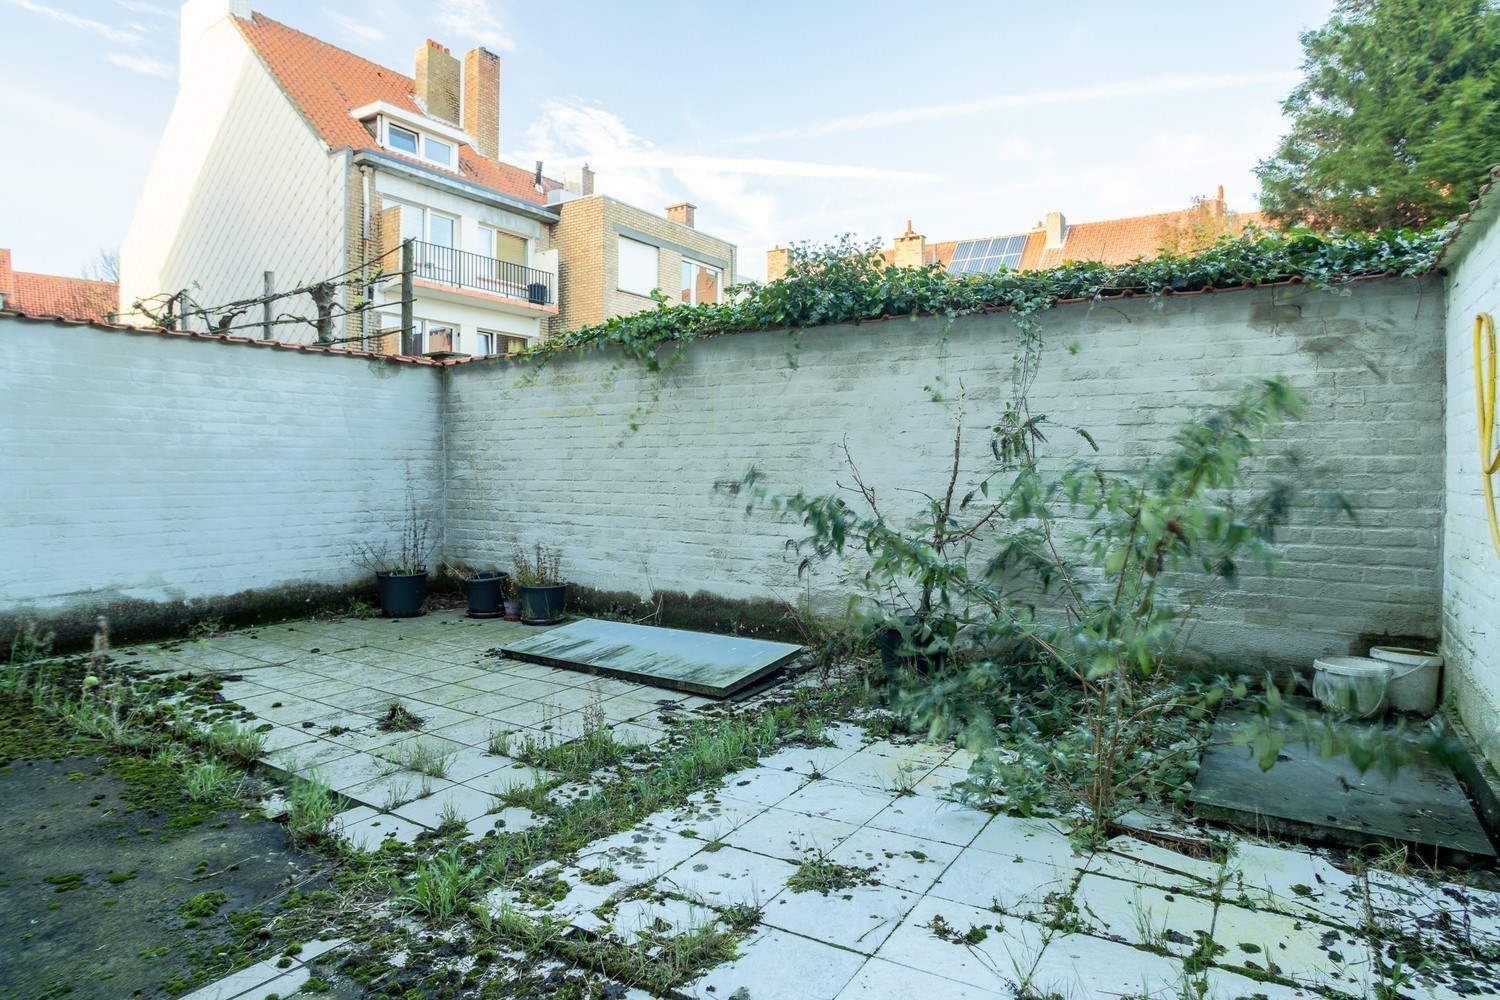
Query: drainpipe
point(365, 174)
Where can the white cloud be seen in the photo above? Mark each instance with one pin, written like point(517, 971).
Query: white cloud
point(356, 28)
point(145, 65)
point(473, 21)
point(141, 7)
point(107, 31)
point(934, 112)
point(739, 197)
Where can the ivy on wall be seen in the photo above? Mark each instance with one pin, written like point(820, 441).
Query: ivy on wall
point(847, 282)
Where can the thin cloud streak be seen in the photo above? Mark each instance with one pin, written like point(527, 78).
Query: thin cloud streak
point(144, 65)
point(473, 19)
point(937, 112)
point(87, 24)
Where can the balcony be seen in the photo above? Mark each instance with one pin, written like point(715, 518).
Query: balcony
point(448, 268)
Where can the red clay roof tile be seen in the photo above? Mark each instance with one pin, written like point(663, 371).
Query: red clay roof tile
point(53, 295)
point(325, 82)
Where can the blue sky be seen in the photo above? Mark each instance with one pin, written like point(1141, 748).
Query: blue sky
point(781, 121)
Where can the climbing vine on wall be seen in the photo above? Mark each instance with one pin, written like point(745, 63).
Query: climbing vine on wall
point(849, 282)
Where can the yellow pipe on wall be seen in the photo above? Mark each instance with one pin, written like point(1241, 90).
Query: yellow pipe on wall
point(1484, 392)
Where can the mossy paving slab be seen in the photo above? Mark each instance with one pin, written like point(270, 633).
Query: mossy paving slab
point(1305, 794)
point(716, 666)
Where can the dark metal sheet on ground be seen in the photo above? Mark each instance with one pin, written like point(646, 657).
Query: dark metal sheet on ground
point(697, 662)
point(1307, 795)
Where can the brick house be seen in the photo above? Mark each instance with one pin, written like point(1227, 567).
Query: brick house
point(53, 295)
point(288, 161)
point(1053, 241)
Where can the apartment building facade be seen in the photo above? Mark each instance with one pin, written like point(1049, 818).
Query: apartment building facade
point(288, 162)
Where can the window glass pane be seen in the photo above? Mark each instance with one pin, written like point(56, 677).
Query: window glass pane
point(689, 272)
point(438, 152)
point(637, 267)
point(399, 138)
point(706, 288)
point(484, 343)
point(413, 222)
point(440, 230)
point(439, 338)
point(418, 336)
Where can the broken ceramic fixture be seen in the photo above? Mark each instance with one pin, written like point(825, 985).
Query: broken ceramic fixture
point(1352, 685)
point(1415, 676)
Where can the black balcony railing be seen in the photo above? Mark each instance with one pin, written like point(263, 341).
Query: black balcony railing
point(471, 271)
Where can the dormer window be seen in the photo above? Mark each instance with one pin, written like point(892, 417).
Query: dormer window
point(402, 140)
point(402, 131)
point(418, 145)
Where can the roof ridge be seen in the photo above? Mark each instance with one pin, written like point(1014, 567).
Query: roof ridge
point(258, 16)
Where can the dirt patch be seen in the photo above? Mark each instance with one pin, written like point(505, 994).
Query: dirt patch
point(112, 885)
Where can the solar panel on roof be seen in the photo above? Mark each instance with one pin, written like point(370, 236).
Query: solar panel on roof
point(987, 256)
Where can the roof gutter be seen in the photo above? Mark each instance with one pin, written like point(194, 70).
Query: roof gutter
point(467, 189)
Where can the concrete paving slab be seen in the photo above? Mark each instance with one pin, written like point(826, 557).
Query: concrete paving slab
point(728, 876)
point(1142, 915)
point(791, 836)
point(881, 980)
point(1077, 965)
point(1011, 885)
point(830, 799)
point(858, 918)
point(774, 963)
point(909, 863)
point(764, 786)
point(1307, 795)
point(1301, 950)
point(964, 943)
point(934, 819)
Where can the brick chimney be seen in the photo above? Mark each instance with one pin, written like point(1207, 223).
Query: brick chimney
point(482, 100)
point(911, 248)
point(581, 182)
point(1056, 228)
point(436, 80)
point(778, 259)
point(1215, 206)
point(682, 212)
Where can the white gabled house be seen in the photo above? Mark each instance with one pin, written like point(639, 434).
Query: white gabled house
point(288, 161)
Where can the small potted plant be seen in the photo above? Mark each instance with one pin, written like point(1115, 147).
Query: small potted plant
point(401, 582)
point(537, 574)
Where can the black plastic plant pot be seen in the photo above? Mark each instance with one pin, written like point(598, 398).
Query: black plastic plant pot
point(401, 594)
point(483, 591)
point(542, 605)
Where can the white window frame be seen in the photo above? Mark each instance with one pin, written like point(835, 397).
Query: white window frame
point(423, 142)
point(621, 276)
point(480, 336)
point(718, 285)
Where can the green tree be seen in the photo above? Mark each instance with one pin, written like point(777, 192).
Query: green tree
point(1397, 120)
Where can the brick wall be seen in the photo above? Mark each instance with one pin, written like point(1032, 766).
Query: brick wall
point(557, 461)
point(161, 471)
point(1471, 567)
point(588, 248)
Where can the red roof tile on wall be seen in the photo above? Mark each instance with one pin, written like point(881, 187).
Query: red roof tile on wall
point(325, 82)
point(52, 295)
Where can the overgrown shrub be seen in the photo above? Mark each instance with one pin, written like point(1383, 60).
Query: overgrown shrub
point(1075, 590)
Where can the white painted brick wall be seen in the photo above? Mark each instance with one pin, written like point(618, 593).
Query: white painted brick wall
point(556, 460)
point(166, 469)
point(1471, 569)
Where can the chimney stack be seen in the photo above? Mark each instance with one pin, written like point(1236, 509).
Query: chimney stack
point(682, 212)
point(910, 248)
point(579, 182)
point(482, 101)
point(777, 262)
point(1057, 230)
point(436, 80)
